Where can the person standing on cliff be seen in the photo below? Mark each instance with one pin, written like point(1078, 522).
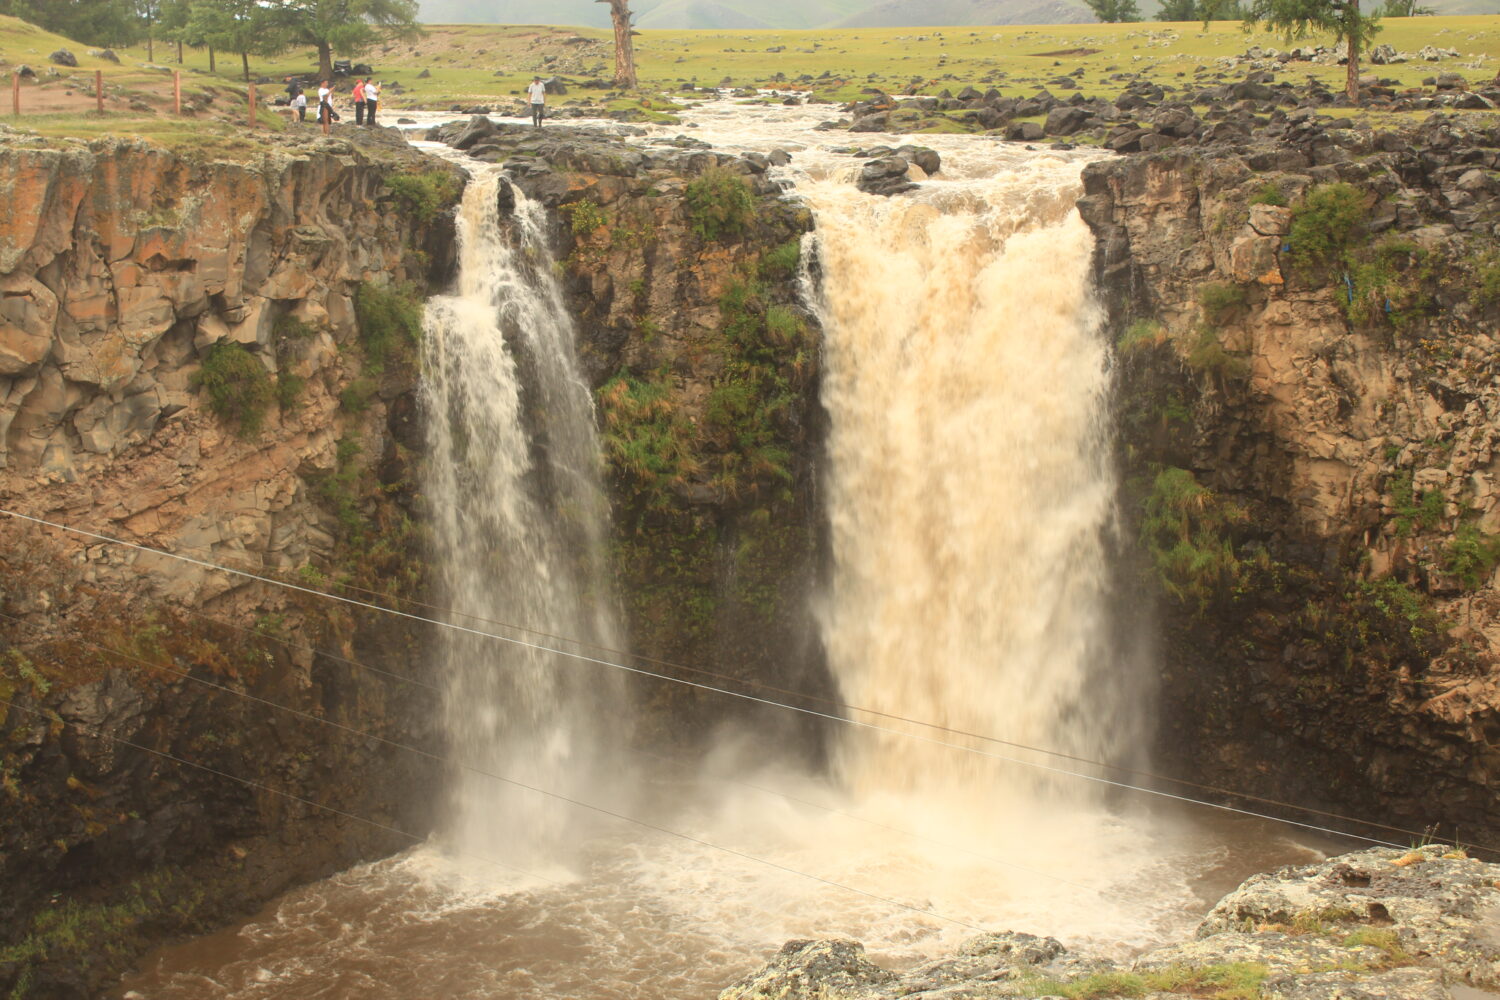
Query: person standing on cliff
point(372, 99)
point(299, 104)
point(537, 94)
point(359, 102)
point(325, 104)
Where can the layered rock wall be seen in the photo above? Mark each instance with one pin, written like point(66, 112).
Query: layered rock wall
point(185, 365)
point(1306, 337)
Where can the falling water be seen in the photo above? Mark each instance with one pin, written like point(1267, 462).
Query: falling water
point(969, 489)
point(970, 497)
point(518, 538)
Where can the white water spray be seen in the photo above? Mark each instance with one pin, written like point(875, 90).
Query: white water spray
point(518, 537)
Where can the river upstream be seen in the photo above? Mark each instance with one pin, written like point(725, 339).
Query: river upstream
point(971, 499)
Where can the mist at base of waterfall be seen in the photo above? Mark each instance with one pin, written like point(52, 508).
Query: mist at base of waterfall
point(644, 916)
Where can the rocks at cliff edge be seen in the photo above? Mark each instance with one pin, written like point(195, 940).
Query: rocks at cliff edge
point(1381, 924)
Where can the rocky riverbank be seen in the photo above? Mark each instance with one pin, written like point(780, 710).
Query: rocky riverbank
point(1383, 923)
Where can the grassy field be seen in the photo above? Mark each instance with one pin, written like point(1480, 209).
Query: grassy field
point(488, 64)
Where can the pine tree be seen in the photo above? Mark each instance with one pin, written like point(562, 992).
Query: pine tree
point(345, 26)
point(1296, 19)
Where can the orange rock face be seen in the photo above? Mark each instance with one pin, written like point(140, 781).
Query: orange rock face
point(120, 266)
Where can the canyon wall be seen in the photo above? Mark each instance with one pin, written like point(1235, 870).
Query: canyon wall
point(210, 356)
point(1306, 342)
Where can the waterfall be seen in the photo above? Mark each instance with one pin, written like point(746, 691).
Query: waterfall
point(970, 488)
point(518, 538)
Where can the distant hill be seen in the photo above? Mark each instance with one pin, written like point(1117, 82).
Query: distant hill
point(743, 14)
point(938, 13)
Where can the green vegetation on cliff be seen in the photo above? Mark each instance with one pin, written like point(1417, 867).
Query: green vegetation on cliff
point(1186, 529)
point(239, 387)
point(719, 204)
point(424, 194)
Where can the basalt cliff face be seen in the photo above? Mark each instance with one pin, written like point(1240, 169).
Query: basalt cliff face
point(187, 364)
point(1307, 339)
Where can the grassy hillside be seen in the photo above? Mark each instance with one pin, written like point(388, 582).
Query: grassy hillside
point(489, 64)
point(790, 14)
point(927, 13)
point(760, 14)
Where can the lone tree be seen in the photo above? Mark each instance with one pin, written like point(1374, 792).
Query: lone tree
point(348, 26)
point(1112, 11)
point(1296, 19)
point(619, 12)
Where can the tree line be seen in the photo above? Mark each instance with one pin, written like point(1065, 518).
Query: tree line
point(246, 28)
point(1233, 10)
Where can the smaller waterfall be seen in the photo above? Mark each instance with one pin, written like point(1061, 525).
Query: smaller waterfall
point(518, 518)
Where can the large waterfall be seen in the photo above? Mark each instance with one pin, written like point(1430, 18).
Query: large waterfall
point(970, 497)
point(969, 485)
point(518, 538)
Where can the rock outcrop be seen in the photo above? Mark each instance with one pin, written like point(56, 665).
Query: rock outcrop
point(185, 365)
point(1387, 924)
point(1307, 333)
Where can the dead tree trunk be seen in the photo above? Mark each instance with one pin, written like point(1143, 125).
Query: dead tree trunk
point(619, 12)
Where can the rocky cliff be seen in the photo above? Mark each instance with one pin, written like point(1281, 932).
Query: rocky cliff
point(682, 266)
point(1306, 335)
point(205, 356)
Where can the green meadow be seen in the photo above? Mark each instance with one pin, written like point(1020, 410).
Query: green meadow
point(486, 64)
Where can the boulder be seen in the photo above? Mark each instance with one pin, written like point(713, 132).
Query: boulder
point(1065, 121)
point(885, 176)
point(807, 970)
point(1126, 140)
point(1451, 81)
point(928, 159)
point(478, 128)
point(1023, 132)
point(62, 57)
point(1382, 55)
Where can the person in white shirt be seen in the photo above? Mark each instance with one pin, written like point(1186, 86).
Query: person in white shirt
point(299, 104)
point(537, 93)
point(372, 98)
point(325, 102)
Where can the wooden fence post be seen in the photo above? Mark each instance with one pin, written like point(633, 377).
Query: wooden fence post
point(177, 92)
point(99, 88)
point(252, 105)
